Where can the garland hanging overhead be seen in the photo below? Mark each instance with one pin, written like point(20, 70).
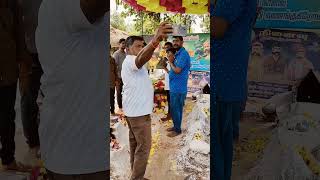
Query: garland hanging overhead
point(133, 3)
point(175, 6)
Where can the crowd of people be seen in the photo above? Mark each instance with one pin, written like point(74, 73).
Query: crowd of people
point(138, 92)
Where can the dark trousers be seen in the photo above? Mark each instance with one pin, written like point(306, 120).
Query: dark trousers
point(119, 94)
point(168, 100)
point(105, 175)
point(112, 91)
point(29, 106)
point(227, 113)
point(7, 124)
point(236, 121)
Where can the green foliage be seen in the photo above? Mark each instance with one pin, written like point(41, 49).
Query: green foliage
point(117, 21)
point(205, 24)
point(151, 20)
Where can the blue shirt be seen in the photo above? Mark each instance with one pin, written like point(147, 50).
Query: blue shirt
point(231, 52)
point(179, 82)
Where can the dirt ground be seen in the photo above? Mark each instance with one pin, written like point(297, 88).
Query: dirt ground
point(162, 166)
point(254, 135)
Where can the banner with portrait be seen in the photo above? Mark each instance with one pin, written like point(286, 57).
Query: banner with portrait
point(279, 58)
point(197, 80)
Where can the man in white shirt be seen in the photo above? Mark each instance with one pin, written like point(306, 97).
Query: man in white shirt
point(72, 43)
point(138, 97)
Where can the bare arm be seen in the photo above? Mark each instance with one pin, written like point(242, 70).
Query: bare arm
point(166, 69)
point(218, 27)
point(225, 12)
point(174, 68)
point(146, 53)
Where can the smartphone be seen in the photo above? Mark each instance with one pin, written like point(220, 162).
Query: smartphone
point(179, 30)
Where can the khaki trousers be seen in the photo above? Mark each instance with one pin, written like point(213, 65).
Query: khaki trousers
point(140, 145)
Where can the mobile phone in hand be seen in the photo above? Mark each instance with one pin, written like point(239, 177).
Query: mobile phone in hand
point(179, 30)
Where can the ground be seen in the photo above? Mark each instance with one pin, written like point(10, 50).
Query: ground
point(254, 134)
point(162, 166)
point(163, 155)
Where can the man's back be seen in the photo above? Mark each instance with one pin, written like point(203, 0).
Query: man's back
point(72, 52)
point(231, 52)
